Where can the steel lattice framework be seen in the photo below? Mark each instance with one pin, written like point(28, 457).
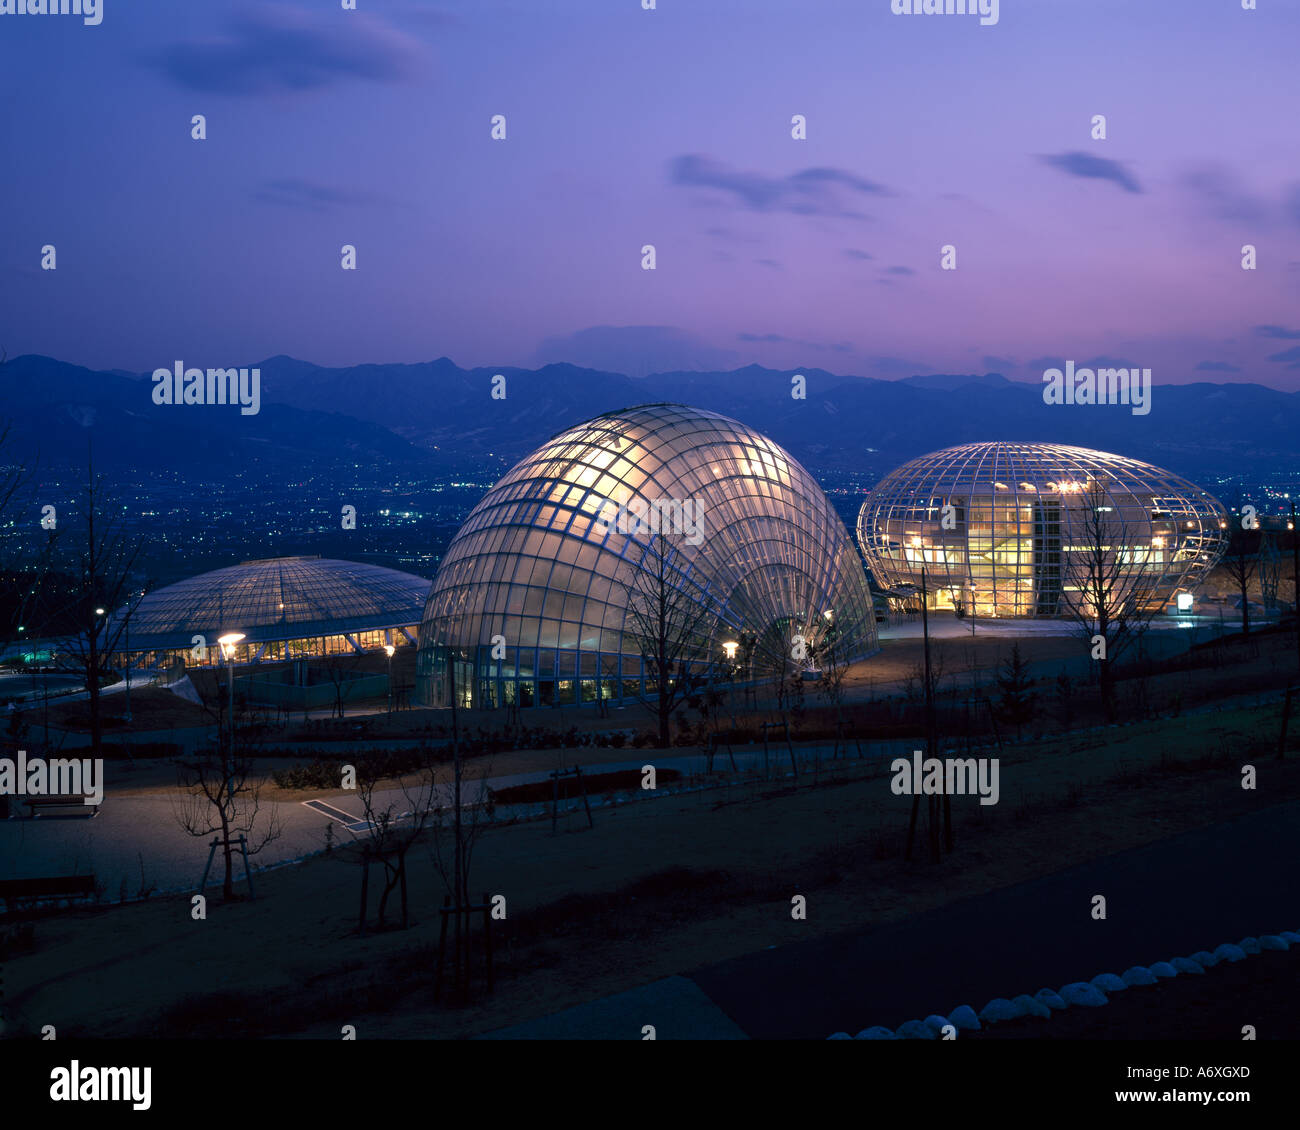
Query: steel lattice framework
point(535, 568)
point(286, 607)
point(1002, 529)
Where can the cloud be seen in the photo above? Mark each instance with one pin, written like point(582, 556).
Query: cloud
point(1079, 164)
point(891, 367)
point(1292, 354)
point(810, 192)
point(1221, 195)
point(775, 264)
point(854, 253)
point(1291, 204)
point(275, 50)
point(1278, 332)
point(295, 192)
point(1216, 367)
point(899, 271)
point(635, 350)
point(1102, 361)
point(781, 339)
point(1042, 364)
point(730, 235)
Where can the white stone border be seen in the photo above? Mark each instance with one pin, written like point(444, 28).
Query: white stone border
point(1086, 994)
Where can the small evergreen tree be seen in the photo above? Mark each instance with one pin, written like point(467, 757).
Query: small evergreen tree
point(1017, 703)
point(1065, 700)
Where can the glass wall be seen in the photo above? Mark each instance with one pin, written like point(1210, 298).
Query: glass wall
point(1023, 529)
point(661, 528)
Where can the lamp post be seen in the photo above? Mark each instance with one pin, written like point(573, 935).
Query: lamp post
point(96, 658)
point(729, 650)
point(388, 650)
point(930, 735)
point(228, 642)
point(127, 629)
point(1295, 574)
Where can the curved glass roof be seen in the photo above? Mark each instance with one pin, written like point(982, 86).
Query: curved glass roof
point(279, 598)
point(1006, 528)
point(543, 562)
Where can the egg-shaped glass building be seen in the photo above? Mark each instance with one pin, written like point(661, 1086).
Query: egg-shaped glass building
point(652, 531)
point(1038, 530)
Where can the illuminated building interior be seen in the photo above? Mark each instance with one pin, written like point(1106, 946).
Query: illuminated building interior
point(1018, 529)
point(284, 608)
point(540, 599)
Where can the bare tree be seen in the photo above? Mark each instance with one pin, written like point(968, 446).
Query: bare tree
point(220, 795)
point(455, 834)
point(670, 621)
point(1269, 571)
point(1240, 562)
point(1109, 581)
point(831, 659)
point(104, 598)
point(340, 669)
point(396, 819)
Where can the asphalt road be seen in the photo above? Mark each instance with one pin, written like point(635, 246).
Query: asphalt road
point(1167, 899)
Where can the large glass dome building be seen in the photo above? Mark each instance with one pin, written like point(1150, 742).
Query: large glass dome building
point(285, 608)
point(660, 522)
point(1038, 529)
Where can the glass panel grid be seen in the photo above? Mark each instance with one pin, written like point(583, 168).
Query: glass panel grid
point(1018, 522)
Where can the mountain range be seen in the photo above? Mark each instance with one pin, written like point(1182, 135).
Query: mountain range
point(436, 416)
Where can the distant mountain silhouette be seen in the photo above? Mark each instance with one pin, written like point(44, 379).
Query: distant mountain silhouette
point(1191, 428)
point(437, 414)
point(54, 408)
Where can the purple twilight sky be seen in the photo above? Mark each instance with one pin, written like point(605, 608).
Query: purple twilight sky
point(670, 127)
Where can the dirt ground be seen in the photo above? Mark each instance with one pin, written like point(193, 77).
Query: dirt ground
point(654, 888)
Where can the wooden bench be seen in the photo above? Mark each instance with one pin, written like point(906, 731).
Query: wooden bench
point(67, 800)
point(14, 891)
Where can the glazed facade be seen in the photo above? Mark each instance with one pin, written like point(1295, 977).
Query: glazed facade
point(286, 608)
point(1017, 529)
point(543, 595)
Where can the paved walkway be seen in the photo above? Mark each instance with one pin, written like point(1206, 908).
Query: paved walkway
point(112, 843)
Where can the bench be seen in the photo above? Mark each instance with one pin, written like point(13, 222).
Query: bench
point(68, 800)
point(13, 891)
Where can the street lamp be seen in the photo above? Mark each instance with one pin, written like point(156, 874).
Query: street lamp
point(228, 642)
point(388, 650)
point(127, 665)
point(931, 740)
